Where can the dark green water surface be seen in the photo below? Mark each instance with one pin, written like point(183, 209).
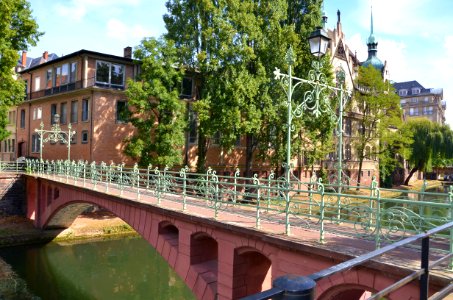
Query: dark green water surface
point(127, 268)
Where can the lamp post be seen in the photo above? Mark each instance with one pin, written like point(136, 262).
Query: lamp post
point(55, 134)
point(314, 101)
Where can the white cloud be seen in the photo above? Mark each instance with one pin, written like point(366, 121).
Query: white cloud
point(120, 31)
point(78, 9)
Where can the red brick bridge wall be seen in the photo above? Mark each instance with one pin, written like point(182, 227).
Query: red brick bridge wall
point(213, 258)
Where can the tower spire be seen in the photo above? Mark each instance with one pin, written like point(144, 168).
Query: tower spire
point(324, 17)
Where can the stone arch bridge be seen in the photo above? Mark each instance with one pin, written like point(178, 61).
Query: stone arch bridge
point(223, 257)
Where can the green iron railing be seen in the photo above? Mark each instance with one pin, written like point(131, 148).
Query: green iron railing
point(371, 213)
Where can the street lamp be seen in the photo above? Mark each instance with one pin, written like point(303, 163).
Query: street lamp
point(319, 41)
point(314, 101)
point(55, 134)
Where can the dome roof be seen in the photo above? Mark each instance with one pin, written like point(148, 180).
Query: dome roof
point(374, 61)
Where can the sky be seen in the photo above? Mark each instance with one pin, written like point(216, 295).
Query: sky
point(415, 37)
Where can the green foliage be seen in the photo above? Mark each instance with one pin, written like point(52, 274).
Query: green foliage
point(156, 110)
point(431, 145)
point(18, 30)
point(236, 45)
point(379, 121)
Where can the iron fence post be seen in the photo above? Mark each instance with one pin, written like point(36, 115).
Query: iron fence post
point(377, 238)
point(236, 175)
point(269, 182)
point(157, 172)
point(148, 170)
point(183, 174)
point(136, 176)
point(450, 199)
point(216, 194)
point(295, 287)
point(256, 182)
point(321, 212)
point(424, 278)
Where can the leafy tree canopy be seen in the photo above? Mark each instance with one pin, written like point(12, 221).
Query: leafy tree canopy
point(155, 108)
point(379, 117)
point(18, 30)
point(430, 143)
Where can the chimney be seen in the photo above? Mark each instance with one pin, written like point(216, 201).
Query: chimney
point(24, 58)
point(128, 52)
point(45, 55)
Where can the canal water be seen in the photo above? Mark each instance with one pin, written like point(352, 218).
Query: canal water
point(127, 268)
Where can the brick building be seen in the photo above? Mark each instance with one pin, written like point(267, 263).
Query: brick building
point(418, 101)
point(86, 89)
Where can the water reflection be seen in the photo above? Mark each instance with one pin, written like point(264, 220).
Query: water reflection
point(114, 269)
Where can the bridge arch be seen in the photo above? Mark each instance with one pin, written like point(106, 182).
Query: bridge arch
point(205, 253)
point(347, 292)
point(251, 272)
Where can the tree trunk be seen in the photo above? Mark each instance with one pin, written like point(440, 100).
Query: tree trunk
point(248, 155)
point(406, 182)
point(202, 151)
point(359, 175)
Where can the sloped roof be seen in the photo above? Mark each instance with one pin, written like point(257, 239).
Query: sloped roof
point(409, 85)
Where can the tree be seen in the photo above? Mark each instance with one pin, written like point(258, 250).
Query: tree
point(236, 46)
point(380, 114)
point(18, 31)
point(155, 108)
point(430, 142)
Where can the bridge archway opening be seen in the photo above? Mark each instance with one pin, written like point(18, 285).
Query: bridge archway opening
point(170, 233)
point(347, 292)
point(251, 271)
point(204, 258)
point(65, 216)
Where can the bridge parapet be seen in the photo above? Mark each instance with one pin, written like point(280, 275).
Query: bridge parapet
point(368, 212)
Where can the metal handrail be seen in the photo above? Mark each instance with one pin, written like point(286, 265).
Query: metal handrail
point(422, 273)
point(313, 204)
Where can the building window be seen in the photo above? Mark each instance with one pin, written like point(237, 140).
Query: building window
point(415, 91)
point(121, 111)
point(413, 111)
point(85, 110)
point(186, 88)
point(428, 110)
point(26, 89)
point(348, 127)
point(348, 154)
point(367, 152)
point(63, 113)
point(35, 143)
point(216, 138)
point(37, 113)
point(12, 117)
point(37, 84)
point(84, 137)
point(22, 118)
point(49, 79)
point(74, 111)
point(402, 92)
point(53, 111)
point(57, 76)
point(74, 138)
point(73, 74)
point(64, 74)
point(414, 100)
point(108, 74)
point(193, 124)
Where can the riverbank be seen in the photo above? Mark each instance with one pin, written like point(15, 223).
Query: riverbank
point(18, 230)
